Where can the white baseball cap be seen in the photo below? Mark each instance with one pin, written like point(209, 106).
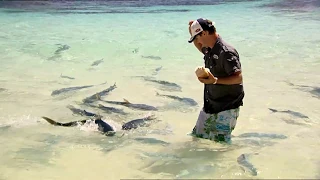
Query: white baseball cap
point(198, 26)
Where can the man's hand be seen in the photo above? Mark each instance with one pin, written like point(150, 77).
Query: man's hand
point(208, 80)
point(202, 72)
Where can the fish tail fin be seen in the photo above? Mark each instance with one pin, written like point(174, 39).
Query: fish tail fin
point(52, 121)
point(273, 110)
point(126, 101)
point(55, 123)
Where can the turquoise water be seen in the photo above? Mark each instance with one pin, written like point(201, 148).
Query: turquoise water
point(278, 43)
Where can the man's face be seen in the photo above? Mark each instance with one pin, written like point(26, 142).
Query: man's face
point(199, 38)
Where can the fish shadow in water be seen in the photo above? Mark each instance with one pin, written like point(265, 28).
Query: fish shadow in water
point(5, 128)
point(57, 53)
point(152, 141)
point(262, 135)
point(293, 113)
point(3, 89)
point(293, 122)
point(33, 156)
point(314, 90)
point(244, 162)
point(257, 140)
point(176, 161)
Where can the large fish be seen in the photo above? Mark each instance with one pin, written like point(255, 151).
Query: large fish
point(97, 96)
point(109, 110)
point(133, 124)
point(188, 101)
point(68, 89)
point(128, 104)
point(81, 112)
point(151, 140)
point(103, 126)
point(262, 135)
point(165, 85)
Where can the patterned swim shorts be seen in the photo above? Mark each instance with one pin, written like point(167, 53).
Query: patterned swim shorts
point(216, 127)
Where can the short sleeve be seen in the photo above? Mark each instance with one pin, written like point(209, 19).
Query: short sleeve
point(231, 63)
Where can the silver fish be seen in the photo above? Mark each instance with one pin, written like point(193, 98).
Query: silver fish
point(152, 57)
point(66, 77)
point(97, 96)
point(96, 63)
point(133, 124)
point(132, 105)
point(166, 85)
point(188, 101)
point(111, 109)
point(68, 89)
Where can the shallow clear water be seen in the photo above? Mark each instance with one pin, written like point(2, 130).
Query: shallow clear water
point(279, 45)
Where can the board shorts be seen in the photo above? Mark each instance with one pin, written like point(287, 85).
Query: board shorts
point(216, 127)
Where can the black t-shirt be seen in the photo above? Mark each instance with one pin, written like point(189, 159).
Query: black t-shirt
point(222, 60)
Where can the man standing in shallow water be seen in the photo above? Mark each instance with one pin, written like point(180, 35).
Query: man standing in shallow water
point(222, 79)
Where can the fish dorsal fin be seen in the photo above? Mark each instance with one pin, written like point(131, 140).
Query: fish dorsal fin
point(98, 97)
point(126, 101)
